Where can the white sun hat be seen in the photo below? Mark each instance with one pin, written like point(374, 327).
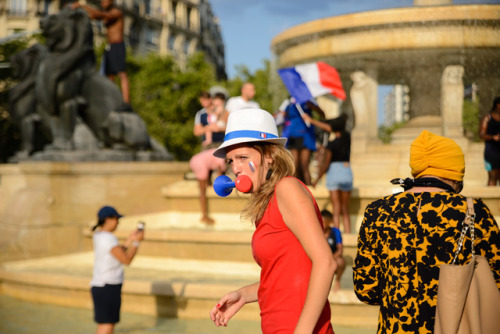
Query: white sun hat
point(249, 125)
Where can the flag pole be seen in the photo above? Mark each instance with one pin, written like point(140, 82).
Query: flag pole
point(301, 111)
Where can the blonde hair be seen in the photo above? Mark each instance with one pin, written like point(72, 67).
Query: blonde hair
point(282, 166)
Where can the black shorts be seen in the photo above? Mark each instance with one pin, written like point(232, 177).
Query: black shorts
point(107, 301)
point(115, 58)
point(492, 154)
point(295, 143)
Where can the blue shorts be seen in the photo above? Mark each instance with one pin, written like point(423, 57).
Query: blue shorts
point(115, 58)
point(339, 176)
point(107, 301)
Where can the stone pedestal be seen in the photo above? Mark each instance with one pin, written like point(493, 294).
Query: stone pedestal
point(364, 97)
point(452, 100)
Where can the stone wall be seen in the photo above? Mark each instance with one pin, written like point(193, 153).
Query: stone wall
point(44, 206)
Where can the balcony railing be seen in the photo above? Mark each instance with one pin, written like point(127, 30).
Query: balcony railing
point(17, 12)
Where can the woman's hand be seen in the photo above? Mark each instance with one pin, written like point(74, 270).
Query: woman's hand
point(226, 308)
point(306, 118)
point(232, 302)
point(138, 235)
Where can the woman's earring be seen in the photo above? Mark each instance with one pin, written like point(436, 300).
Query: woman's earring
point(269, 173)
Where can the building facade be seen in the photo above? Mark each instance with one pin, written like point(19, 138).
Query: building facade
point(397, 105)
point(174, 27)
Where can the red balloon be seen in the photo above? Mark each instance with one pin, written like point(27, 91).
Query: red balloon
point(243, 183)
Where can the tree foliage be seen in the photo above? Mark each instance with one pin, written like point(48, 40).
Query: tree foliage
point(471, 119)
point(167, 98)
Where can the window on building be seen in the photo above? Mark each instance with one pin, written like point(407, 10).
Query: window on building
point(188, 23)
point(156, 8)
point(152, 36)
point(171, 42)
point(134, 34)
point(43, 8)
point(187, 42)
point(17, 7)
point(136, 6)
point(174, 11)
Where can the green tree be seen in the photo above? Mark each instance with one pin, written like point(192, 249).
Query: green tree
point(471, 119)
point(167, 98)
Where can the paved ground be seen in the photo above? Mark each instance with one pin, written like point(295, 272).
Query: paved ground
point(18, 317)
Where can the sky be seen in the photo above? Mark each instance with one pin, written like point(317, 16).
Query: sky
point(248, 26)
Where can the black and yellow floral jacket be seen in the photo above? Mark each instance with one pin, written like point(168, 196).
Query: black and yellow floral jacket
point(400, 249)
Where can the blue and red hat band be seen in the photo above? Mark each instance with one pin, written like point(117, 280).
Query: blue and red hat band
point(249, 134)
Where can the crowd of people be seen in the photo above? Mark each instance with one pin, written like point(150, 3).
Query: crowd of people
point(403, 240)
point(299, 127)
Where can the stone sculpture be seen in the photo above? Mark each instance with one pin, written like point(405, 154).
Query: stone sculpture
point(68, 91)
point(22, 101)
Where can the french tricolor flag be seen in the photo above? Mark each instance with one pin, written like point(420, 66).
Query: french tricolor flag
point(307, 81)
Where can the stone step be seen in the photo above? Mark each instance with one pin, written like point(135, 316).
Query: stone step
point(182, 196)
point(160, 286)
point(180, 235)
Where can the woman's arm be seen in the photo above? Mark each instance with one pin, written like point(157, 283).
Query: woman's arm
point(483, 126)
point(297, 208)
point(316, 108)
point(125, 254)
point(322, 125)
point(366, 264)
point(232, 303)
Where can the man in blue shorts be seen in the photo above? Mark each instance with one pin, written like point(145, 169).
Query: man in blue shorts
point(114, 55)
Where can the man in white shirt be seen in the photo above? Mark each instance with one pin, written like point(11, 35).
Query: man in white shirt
point(245, 100)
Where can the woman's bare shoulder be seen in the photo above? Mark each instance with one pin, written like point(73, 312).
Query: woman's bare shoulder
point(290, 186)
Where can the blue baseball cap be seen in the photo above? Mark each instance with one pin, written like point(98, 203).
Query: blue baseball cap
point(108, 211)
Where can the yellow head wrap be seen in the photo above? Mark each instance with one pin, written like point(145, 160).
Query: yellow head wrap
point(431, 154)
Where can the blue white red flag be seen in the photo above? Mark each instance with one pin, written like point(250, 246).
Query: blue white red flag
point(308, 81)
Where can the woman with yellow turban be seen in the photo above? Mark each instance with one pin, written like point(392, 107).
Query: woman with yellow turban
point(405, 237)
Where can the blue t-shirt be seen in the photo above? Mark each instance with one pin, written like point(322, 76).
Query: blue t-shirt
point(334, 238)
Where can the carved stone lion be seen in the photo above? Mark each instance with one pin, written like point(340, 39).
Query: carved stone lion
point(68, 86)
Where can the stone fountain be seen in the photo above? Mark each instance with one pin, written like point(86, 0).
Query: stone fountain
point(433, 47)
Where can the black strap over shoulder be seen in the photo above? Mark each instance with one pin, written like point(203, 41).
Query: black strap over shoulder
point(409, 183)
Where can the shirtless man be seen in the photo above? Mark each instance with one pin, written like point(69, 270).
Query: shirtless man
point(114, 56)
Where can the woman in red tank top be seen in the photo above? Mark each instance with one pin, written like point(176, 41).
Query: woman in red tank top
point(288, 244)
